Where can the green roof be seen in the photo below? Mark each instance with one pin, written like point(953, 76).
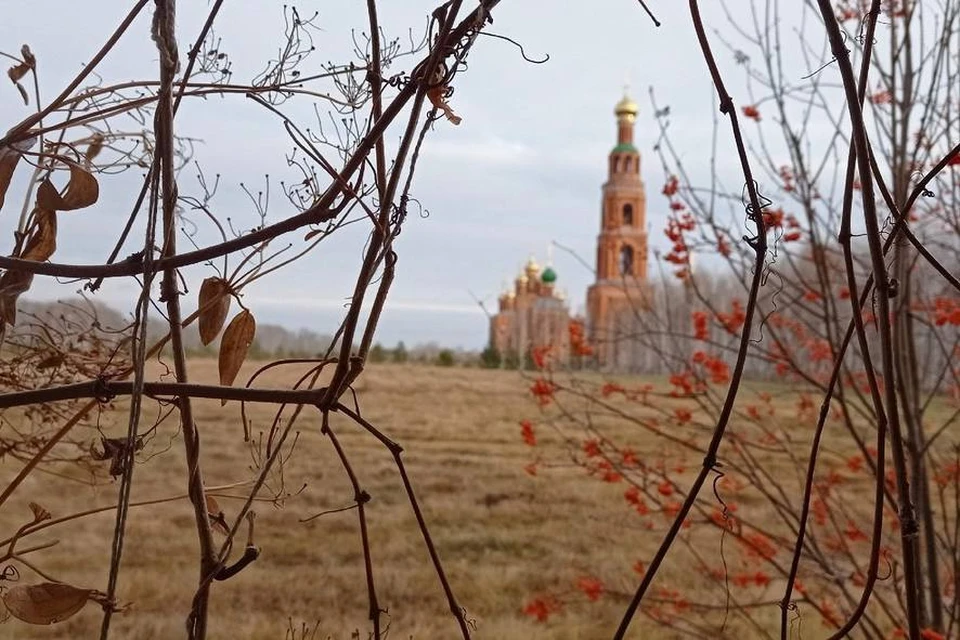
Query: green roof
point(549, 276)
point(623, 148)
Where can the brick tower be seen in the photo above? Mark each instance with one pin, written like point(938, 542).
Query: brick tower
point(618, 292)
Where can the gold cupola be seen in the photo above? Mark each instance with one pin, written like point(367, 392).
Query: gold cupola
point(532, 269)
point(626, 109)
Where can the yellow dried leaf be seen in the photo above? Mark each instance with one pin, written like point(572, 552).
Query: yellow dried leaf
point(236, 341)
point(45, 603)
point(43, 240)
point(214, 306)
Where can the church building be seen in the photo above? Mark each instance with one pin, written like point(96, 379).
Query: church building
point(532, 314)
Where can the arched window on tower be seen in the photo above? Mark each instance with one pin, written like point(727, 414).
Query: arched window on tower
point(628, 215)
point(626, 260)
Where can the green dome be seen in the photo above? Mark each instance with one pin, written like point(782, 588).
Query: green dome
point(549, 276)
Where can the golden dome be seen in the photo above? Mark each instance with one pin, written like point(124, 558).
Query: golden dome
point(532, 268)
point(626, 108)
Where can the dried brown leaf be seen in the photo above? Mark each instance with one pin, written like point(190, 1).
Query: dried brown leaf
point(9, 157)
point(29, 63)
point(214, 306)
point(213, 507)
point(39, 513)
point(96, 146)
point(82, 190)
point(23, 93)
point(115, 450)
point(18, 71)
point(8, 163)
point(438, 100)
point(28, 56)
point(234, 346)
point(12, 284)
point(43, 239)
point(218, 520)
point(47, 196)
point(45, 603)
point(52, 361)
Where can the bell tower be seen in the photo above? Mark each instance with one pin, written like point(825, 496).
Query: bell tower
point(621, 274)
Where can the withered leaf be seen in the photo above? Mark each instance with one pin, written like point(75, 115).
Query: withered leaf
point(21, 69)
point(8, 163)
point(9, 157)
point(40, 245)
point(82, 191)
point(39, 513)
point(47, 602)
point(96, 146)
point(115, 450)
point(51, 361)
point(214, 306)
point(47, 196)
point(23, 93)
point(438, 100)
point(17, 72)
point(12, 284)
point(218, 520)
point(236, 341)
point(43, 240)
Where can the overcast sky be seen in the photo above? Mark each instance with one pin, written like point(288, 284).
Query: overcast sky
point(523, 169)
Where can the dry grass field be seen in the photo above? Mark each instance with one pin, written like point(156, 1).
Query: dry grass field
point(503, 535)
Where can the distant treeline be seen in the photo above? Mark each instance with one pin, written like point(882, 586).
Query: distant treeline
point(272, 341)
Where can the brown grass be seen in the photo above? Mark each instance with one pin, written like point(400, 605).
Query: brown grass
point(502, 535)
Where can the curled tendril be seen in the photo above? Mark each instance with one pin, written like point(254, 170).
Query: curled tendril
point(523, 53)
point(926, 193)
point(717, 467)
point(398, 81)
